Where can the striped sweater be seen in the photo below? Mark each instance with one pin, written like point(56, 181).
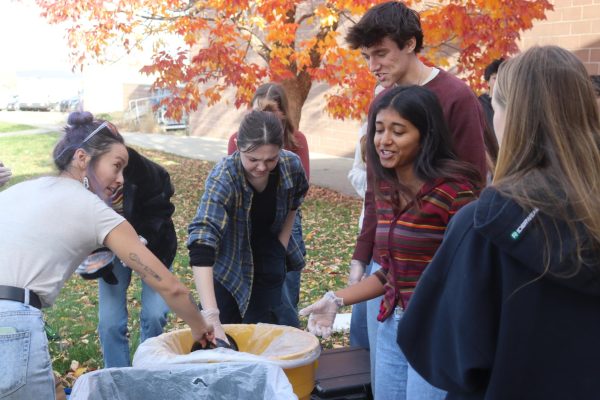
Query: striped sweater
point(405, 243)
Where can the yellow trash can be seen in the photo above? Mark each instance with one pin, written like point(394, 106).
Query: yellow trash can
point(294, 350)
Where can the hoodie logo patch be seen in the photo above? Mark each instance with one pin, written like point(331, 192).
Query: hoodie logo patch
point(516, 233)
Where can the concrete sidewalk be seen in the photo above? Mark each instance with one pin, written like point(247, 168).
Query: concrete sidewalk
point(327, 171)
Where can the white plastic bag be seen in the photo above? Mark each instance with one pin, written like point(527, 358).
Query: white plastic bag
point(182, 382)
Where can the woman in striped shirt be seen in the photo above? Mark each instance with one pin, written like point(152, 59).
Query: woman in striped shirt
point(419, 185)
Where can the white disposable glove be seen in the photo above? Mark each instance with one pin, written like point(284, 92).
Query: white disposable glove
point(211, 315)
point(322, 314)
point(357, 272)
point(5, 174)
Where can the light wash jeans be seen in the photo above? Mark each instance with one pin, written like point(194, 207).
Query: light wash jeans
point(396, 379)
point(359, 324)
point(112, 316)
point(372, 310)
point(25, 365)
point(287, 313)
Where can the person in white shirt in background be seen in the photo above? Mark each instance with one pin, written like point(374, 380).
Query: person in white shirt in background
point(360, 334)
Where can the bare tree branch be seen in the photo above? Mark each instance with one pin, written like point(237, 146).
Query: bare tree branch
point(305, 17)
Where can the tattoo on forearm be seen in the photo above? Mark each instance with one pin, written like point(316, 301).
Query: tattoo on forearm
point(146, 270)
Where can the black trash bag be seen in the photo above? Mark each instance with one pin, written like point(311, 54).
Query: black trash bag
point(220, 343)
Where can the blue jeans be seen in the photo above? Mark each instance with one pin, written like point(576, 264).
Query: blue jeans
point(112, 316)
point(372, 324)
point(396, 379)
point(287, 312)
point(26, 368)
point(359, 332)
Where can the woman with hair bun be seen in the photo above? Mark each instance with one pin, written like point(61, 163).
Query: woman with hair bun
point(48, 226)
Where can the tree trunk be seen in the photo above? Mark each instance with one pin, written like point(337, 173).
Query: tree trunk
point(297, 90)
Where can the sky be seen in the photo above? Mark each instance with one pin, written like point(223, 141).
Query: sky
point(34, 56)
point(28, 41)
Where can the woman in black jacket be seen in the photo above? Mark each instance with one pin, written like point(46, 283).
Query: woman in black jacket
point(145, 202)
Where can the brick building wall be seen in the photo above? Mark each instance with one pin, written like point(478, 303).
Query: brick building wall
point(323, 133)
point(574, 25)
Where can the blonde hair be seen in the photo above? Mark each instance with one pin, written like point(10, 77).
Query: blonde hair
point(550, 151)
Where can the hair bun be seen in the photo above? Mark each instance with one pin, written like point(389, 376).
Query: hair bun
point(79, 118)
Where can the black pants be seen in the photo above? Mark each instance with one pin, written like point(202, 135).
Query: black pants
point(269, 275)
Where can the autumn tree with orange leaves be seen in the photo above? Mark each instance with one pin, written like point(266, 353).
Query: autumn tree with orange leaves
point(242, 43)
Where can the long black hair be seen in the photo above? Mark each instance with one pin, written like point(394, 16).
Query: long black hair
point(436, 159)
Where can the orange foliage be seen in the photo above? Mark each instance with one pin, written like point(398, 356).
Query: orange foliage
point(242, 43)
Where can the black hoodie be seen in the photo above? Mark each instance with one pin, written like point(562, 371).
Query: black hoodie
point(484, 323)
point(147, 205)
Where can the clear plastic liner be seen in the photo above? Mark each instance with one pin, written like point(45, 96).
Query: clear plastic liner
point(230, 380)
point(164, 368)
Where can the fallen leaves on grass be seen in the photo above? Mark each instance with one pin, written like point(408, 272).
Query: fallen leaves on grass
point(329, 225)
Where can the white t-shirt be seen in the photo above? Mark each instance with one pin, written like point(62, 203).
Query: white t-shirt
point(47, 228)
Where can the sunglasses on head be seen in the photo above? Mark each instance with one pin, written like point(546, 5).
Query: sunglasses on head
point(98, 129)
point(105, 125)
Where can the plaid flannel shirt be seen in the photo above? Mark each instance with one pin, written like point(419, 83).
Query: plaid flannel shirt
point(223, 220)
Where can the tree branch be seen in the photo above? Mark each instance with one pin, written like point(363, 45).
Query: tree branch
point(347, 16)
point(305, 17)
point(264, 51)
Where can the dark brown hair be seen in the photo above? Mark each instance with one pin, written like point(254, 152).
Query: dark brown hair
point(259, 128)
point(392, 19)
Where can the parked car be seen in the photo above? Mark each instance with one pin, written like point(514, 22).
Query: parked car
point(13, 104)
point(34, 103)
point(68, 105)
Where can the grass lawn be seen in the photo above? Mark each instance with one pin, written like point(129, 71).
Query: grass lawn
point(10, 127)
point(27, 155)
point(329, 224)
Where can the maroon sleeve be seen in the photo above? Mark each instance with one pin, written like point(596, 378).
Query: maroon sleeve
point(465, 118)
point(232, 145)
point(302, 152)
point(363, 251)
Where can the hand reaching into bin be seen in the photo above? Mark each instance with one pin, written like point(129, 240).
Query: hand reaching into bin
point(322, 314)
point(211, 315)
point(206, 337)
point(217, 343)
